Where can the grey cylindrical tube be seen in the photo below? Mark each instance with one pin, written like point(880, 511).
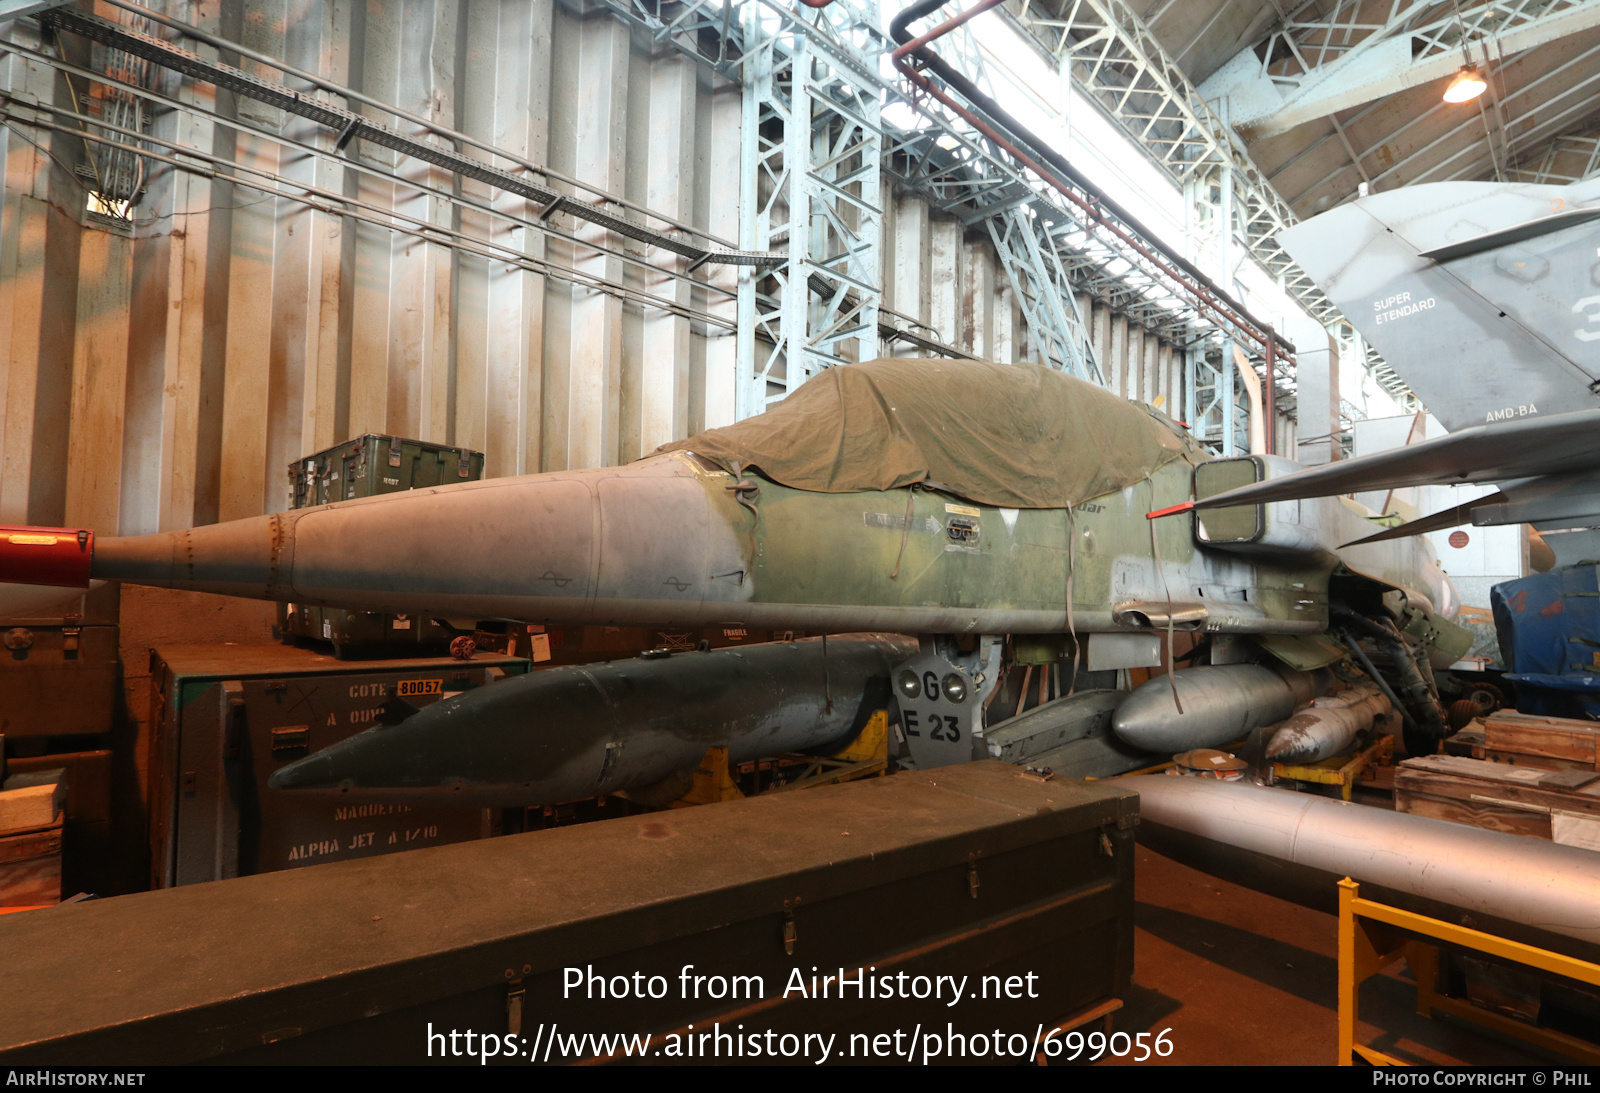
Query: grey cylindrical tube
point(1297, 845)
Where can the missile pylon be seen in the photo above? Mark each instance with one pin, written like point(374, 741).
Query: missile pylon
point(564, 734)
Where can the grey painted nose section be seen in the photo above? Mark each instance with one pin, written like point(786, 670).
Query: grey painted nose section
point(633, 544)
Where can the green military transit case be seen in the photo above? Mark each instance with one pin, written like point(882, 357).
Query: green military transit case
point(365, 467)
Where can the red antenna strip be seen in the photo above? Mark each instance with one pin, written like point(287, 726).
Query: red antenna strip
point(1185, 507)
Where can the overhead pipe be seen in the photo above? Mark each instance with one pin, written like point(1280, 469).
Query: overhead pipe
point(350, 125)
point(937, 32)
point(1060, 173)
point(326, 200)
point(887, 331)
point(350, 94)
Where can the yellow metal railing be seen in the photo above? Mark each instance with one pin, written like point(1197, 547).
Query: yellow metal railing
point(1374, 935)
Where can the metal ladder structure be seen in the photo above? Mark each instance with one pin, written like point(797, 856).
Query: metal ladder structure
point(811, 145)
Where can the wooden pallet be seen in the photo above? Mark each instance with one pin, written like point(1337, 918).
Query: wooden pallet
point(1560, 805)
point(1550, 743)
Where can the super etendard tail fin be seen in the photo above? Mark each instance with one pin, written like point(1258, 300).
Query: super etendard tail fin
point(1483, 297)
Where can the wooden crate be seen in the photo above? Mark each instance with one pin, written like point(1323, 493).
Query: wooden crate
point(226, 717)
point(30, 867)
point(1561, 805)
point(1552, 743)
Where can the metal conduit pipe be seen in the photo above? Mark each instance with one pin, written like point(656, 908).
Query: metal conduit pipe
point(341, 205)
point(1059, 172)
point(350, 125)
point(114, 34)
point(361, 168)
point(888, 332)
point(351, 94)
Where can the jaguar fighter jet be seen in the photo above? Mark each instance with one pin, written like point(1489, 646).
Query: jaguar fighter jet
point(957, 501)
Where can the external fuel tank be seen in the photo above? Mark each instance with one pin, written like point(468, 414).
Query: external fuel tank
point(563, 734)
point(1219, 704)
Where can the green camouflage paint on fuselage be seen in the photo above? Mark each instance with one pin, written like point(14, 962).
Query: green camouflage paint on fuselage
point(968, 568)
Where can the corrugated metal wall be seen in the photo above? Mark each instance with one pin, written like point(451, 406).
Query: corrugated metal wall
point(953, 282)
point(165, 375)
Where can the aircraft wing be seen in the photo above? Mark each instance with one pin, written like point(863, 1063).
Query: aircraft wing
point(1479, 294)
point(1548, 444)
point(1451, 517)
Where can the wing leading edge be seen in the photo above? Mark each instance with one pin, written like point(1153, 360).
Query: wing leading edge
point(1551, 444)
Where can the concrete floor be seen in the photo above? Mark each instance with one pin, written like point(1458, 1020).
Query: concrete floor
point(1244, 978)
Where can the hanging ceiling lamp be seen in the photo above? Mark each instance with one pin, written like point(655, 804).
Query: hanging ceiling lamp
point(1468, 85)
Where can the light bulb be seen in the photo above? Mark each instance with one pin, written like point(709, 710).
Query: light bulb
point(1467, 85)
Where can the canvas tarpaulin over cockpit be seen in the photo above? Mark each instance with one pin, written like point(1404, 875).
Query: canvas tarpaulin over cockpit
point(1013, 436)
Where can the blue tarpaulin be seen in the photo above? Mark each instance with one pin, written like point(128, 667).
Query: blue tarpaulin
point(1549, 629)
